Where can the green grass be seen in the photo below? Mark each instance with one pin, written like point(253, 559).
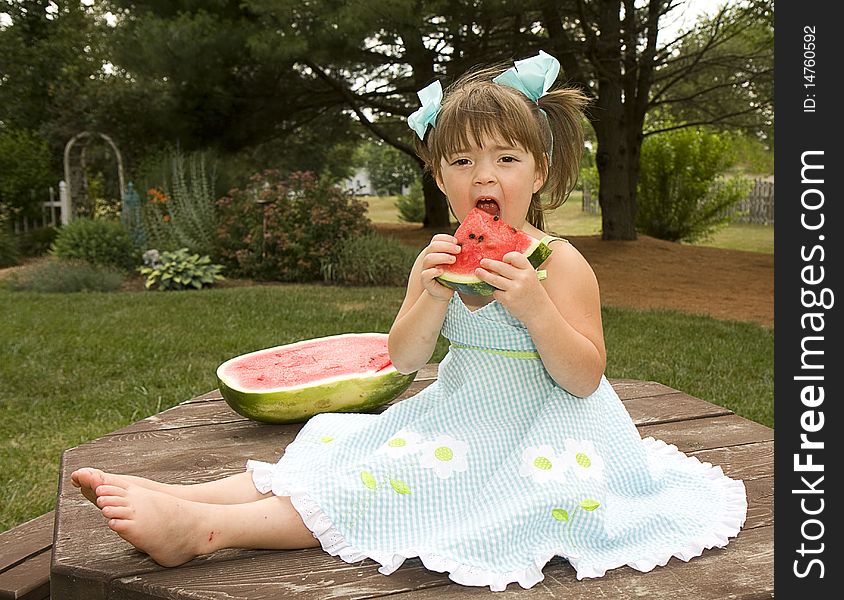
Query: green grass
point(743, 236)
point(569, 220)
point(77, 366)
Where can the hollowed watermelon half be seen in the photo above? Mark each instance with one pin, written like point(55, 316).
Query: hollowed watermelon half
point(483, 235)
point(291, 383)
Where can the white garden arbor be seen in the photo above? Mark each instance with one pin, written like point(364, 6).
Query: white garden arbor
point(74, 176)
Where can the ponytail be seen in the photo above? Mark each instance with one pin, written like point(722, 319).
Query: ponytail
point(563, 109)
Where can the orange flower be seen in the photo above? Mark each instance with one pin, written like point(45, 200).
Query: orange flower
point(156, 196)
point(166, 218)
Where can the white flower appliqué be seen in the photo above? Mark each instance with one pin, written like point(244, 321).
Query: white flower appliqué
point(445, 455)
point(542, 464)
point(401, 444)
point(581, 456)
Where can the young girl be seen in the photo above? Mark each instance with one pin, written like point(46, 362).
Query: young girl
point(520, 451)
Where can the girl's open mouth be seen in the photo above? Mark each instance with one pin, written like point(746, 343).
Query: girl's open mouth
point(489, 206)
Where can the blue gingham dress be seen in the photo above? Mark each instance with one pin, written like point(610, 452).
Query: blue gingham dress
point(494, 469)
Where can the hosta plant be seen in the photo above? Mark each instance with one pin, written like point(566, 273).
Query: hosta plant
point(179, 270)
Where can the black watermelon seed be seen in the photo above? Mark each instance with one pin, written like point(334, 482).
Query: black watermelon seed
point(480, 238)
point(495, 218)
point(471, 236)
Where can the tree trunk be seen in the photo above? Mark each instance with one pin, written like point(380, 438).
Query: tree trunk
point(617, 159)
point(619, 135)
point(436, 207)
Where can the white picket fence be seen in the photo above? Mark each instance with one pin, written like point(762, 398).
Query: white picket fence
point(54, 212)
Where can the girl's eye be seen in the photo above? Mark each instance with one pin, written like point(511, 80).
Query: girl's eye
point(461, 162)
point(509, 159)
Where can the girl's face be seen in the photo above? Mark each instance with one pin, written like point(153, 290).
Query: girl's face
point(496, 177)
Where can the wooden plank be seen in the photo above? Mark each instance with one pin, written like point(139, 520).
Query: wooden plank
point(760, 502)
point(747, 565)
point(189, 414)
point(212, 412)
point(748, 461)
point(748, 559)
point(709, 433)
point(269, 578)
point(753, 464)
point(25, 540)
point(649, 408)
point(627, 389)
point(29, 580)
point(667, 408)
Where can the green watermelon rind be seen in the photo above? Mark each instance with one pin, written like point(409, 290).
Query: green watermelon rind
point(536, 254)
point(295, 404)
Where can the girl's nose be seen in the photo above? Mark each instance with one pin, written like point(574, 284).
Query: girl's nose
point(484, 173)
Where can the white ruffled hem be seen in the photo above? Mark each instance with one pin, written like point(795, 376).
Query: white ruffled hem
point(725, 526)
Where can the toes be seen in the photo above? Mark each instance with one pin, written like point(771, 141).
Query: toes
point(117, 512)
point(87, 477)
point(110, 490)
point(119, 526)
point(103, 501)
point(79, 476)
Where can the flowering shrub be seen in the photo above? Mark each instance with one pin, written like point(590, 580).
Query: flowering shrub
point(284, 228)
point(180, 210)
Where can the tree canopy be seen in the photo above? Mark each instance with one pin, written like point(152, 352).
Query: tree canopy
point(296, 84)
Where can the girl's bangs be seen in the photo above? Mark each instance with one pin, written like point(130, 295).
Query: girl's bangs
point(473, 118)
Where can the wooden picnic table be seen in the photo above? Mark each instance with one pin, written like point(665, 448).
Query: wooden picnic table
point(202, 439)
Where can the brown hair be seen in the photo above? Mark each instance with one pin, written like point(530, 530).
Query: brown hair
point(474, 107)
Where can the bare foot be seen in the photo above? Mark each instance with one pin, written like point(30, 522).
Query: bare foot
point(170, 530)
point(234, 489)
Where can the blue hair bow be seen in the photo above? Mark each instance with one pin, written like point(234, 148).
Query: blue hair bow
point(431, 98)
point(531, 76)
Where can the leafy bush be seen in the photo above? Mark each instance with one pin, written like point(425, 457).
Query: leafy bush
point(9, 251)
point(284, 228)
point(37, 242)
point(412, 206)
point(64, 276)
point(99, 242)
point(370, 260)
point(681, 196)
point(24, 167)
point(180, 208)
point(179, 270)
point(389, 169)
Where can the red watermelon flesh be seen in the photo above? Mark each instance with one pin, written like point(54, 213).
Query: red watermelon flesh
point(288, 384)
point(485, 235)
point(309, 361)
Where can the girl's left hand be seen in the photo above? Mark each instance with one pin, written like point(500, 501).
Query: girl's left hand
point(517, 282)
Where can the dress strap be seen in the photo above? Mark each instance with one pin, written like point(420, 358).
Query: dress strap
point(550, 238)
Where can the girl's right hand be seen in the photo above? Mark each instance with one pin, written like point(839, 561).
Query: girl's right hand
point(441, 251)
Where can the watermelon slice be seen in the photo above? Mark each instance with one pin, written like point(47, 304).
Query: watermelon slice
point(289, 384)
point(485, 235)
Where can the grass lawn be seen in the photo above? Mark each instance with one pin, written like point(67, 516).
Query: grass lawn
point(569, 220)
point(77, 366)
